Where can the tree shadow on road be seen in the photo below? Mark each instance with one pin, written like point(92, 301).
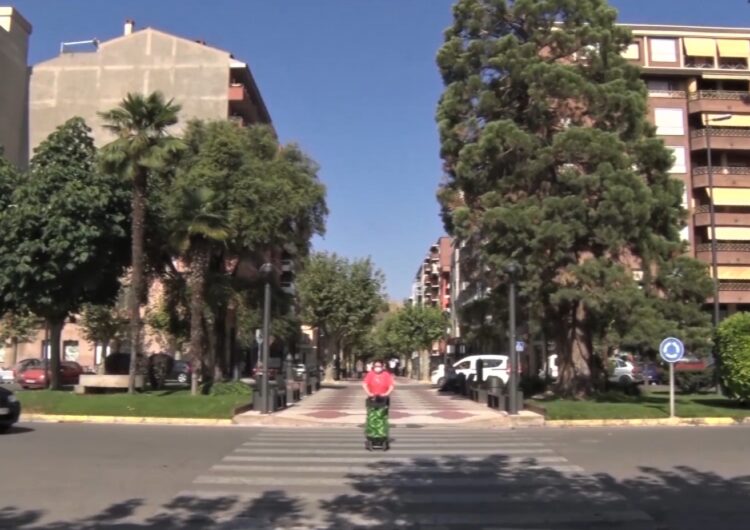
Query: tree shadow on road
point(447, 492)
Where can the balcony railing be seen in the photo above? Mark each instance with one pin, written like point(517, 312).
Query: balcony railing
point(698, 62)
point(722, 170)
point(734, 132)
point(734, 286)
point(733, 65)
point(724, 247)
point(723, 95)
point(674, 94)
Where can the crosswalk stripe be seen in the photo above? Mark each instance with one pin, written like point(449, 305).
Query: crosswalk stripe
point(413, 481)
point(302, 444)
point(256, 469)
point(396, 451)
point(367, 457)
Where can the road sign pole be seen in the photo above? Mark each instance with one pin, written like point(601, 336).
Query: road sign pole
point(671, 390)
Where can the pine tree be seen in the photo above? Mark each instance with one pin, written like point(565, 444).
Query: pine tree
point(552, 164)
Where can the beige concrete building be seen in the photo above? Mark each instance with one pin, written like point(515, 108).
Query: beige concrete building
point(14, 85)
point(208, 82)
point(90, 77)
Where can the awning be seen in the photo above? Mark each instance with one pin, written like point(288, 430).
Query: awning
point(731, 233)
point(730, 196)
point(733, 48)
point(737, 120)
point(734, 273)
point(745, 77)
point(700, 47)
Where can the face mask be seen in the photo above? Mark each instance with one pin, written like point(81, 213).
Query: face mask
point(378, 369)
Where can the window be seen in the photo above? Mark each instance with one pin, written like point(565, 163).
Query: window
point(632, 52)
point(669, 122)
point(70, 350)
point(492, 363)
point(464, 365)
point(679, 160)
point(663, 50)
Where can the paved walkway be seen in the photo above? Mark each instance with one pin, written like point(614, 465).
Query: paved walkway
point(437, 479)
point(411, 404)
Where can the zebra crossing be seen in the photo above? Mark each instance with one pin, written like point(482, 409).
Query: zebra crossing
point(324, 479)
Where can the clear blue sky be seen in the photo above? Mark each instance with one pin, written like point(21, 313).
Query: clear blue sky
point(354, 82)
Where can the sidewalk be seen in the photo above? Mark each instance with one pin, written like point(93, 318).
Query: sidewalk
point(412, 404)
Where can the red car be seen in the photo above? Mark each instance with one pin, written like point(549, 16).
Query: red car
point(37, 377)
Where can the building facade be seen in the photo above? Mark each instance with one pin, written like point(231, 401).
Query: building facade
point(85, 79)
point(208, 82)
point(14, 86)
point(432, 282)
point(698, 80)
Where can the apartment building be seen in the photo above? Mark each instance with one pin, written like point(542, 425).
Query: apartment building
point(88, 77)
point(14, 86)
point(698, 81)
point(432, 282)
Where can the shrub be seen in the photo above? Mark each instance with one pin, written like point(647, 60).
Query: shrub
point(159, 367)
point(232, 388)
point(691, 381)
point(532, 385)
point(734, 350)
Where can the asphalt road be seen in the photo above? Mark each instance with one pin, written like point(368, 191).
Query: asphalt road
point(85, 477)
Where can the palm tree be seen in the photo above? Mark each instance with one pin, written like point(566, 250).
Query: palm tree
point(142, 147)
point(200, 231)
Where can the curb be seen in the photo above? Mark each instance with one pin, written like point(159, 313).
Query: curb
point(128, 420)
point(650, 422)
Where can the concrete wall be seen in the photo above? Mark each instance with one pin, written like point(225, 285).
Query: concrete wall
point(14, 83)
point(83, 84)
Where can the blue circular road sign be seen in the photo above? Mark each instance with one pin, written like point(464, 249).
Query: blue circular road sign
point(671, 349)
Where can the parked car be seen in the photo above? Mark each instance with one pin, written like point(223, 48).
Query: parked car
point(37, 377)
point(653, 374)
point(24, 365)
point(10, 409)
point(181, 372)
point(625, 372)
point(494, 365)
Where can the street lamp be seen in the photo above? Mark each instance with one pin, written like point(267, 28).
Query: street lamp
point(712, 216)
point(266, 271)
point(512, 270)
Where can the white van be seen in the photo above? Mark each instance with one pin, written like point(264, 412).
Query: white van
point(494, 365)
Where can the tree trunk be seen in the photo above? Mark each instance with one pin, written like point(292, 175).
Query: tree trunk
point(199, 262)
point(137, 286)
point(575, 354)
point(424, 365)
point(14, 352)
point(330, 365)
point(56, 327)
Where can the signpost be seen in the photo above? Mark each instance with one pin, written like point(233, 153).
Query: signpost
point(671, 350)
point(520, 346)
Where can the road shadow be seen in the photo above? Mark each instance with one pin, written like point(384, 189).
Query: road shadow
point(15, 429)
point(447, 492)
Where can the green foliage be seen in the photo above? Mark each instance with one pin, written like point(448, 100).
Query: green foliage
point(234, 388)
point(734, 352)
point(341, 296)
point(690, 382)
point(18, 327)
point(551, 163)
point(411, 328)
point(64, 238)
point(102, 324)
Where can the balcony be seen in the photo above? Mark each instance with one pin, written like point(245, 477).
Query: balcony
point(702, 217)
point(720, 101)
point(733, 293)
point(667, 94)
point(238, 93)
point(726, 253)
point(723, 176)
point(721, 138)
